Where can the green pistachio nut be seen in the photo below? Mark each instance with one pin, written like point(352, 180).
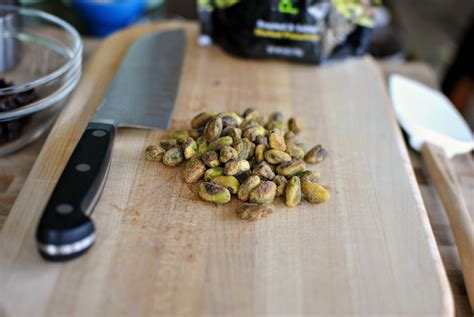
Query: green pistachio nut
point(194, 170)
point(276, 140)
point(264, 193)
point(247, 124)
point(213, 129)
point(294, 125)
point(314, 192)
point(173, 157)
point(276, 116)
point(214, 193)
point(253, 115)
point(233, 132)
point(219, 143)
point(229, 182)
point(291, 168)
point(243, 148)
point(202, 145)
point(311, 176)
point(210, 159)
point(281, 182)
point(249, 134)
point(230, 119)
point(316, 155)
point(247, 111)
point(252, 150)
point(295, 150)
point(189, 148)
point(260, 153)
point(242, 177)
point(154, 153)
point(264, 171)
point(213, 172)
point(168, 144)
point(194, 133)
point(289, 137)
point(275, 157)
point(254, 211)
point(247, 186)
point(201, 119)
point(236, 167)
point(261, 139)
point(253, 132)
point(293, 192)
point(276, 124)
point(228, 153)
point(179, 135)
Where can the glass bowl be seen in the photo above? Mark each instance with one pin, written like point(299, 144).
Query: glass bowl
point(40, 65)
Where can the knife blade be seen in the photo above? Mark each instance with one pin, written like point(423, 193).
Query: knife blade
point(141, 95)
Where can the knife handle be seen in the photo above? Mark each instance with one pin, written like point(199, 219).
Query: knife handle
point(65, 230)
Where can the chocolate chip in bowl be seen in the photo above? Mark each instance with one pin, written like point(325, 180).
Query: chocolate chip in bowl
point(11, 130)
point(37, 82)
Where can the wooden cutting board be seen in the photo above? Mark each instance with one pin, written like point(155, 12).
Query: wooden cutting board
point(160, 250)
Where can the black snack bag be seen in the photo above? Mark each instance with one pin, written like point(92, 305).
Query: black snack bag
point(307, 31)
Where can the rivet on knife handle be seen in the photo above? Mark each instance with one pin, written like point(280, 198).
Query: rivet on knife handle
point(65, 230)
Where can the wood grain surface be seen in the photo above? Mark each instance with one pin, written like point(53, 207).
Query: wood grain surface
point(369, 250)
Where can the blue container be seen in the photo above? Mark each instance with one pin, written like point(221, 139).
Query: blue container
point(105, 17)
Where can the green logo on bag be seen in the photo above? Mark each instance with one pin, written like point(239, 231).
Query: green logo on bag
point(223, 4)
point(286, 6)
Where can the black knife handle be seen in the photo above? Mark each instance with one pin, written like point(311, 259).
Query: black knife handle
point(65, 230)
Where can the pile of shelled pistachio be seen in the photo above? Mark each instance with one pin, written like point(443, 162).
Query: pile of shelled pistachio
point(244, 156)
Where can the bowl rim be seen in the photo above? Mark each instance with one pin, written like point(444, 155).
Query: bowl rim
point(77, 50)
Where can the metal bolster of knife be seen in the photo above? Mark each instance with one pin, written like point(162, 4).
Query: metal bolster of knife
point(65, 229)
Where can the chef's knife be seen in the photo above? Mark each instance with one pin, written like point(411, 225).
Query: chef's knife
point(141, 95)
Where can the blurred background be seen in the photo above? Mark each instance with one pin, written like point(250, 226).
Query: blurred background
point(438, 33)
